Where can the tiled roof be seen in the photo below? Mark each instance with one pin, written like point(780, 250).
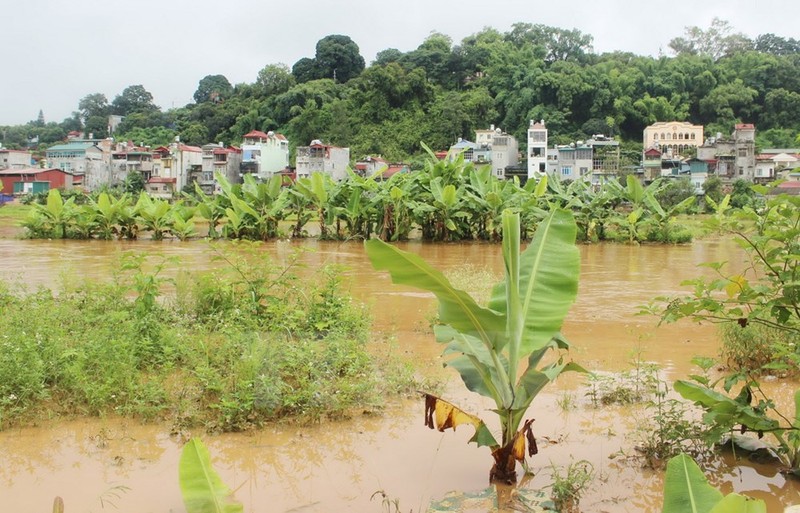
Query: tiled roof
point(162, 179)
point(256, 133)
point(745, 126)
point(71, 146)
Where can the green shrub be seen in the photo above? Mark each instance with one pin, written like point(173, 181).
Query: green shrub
point(759, 348)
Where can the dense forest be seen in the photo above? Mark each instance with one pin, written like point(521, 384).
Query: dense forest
point(441, 91)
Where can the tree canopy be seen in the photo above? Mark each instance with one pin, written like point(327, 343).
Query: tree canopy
point(442, 90)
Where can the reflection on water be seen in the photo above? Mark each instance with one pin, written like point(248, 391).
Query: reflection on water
point(96, 465)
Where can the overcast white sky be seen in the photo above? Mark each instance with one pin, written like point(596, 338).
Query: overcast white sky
point(55, 52)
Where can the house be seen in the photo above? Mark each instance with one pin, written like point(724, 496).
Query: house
point(698, 174)
point(14, 159)
point(537, 149)
point(33, 180)
point(783, 162)
point(595, 160)
point(492, 146)
point(180, 161)
point(732, 157)
point(673, 138)
point(219, 159)
point(470, 151)
point(162, 187)
point(130, 159)
point(322, 158)
point(85, 160)
point(369, 166)
point(264, 154)
point(651, 165)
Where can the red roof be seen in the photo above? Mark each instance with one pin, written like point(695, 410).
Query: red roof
point(794, 184)
point(652, 151)
point(186, 147)
point(745, 126)
point(256, 133)
point(30, 171)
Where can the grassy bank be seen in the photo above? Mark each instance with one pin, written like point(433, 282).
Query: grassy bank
point(229, 350)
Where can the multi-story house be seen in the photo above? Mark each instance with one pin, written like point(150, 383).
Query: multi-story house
point(595, 160)
point(322, 158)
point(264, 154)
point(219, 159)
point(537, 149)
point(14, 159)
point(493, 147)
point(179, 162)
point(85, 160)
point(731, 158)
point(673, 138)
point(130, 159)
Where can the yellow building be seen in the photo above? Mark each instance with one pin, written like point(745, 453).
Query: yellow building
point(673, 137)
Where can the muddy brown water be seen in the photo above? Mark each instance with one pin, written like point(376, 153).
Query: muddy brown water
point(119, 465)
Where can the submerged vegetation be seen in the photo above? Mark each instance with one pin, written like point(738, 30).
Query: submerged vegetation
point(447, 201)
point(230, 350)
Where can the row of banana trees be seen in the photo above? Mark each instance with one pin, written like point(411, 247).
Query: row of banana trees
point(447, 201)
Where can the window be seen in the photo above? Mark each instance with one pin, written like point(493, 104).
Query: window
point(566, 171)
point(741, 170)
point(692, 136)
point(655, 137)
point(584, 170)
point(538, 136)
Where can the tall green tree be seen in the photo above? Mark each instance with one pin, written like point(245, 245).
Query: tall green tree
point(213, 88)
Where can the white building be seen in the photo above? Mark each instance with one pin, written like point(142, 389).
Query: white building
point(537, 149)
point(322, 158)
point(264, 154)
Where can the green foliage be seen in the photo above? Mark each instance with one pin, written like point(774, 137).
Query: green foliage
point(760, 349)
point(249, 343)
point(201, 487)
point(764, 295)
point(686, 490)
point(521, 324)
point(569, 486)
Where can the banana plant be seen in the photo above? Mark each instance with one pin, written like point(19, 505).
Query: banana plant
point(107, 212)
point(686, 490)
point(57, 213)
point(202, 489)
point(317, 189)
point(155, 215)
point(497, 349)
point(266, 200)
point(182, 221)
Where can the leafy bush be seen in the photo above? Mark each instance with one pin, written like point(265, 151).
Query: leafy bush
point(760, 348)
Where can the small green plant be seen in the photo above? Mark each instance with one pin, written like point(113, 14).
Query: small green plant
point(668, 430)
point(569, 486)
point(631, 386)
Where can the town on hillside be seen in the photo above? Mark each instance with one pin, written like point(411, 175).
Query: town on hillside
point(673, 149)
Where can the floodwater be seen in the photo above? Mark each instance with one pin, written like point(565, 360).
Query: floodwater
point(119, 465)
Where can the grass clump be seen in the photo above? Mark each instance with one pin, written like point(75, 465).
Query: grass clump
point(230, 350)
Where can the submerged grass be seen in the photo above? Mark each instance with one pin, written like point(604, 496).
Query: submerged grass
point(231, 350)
